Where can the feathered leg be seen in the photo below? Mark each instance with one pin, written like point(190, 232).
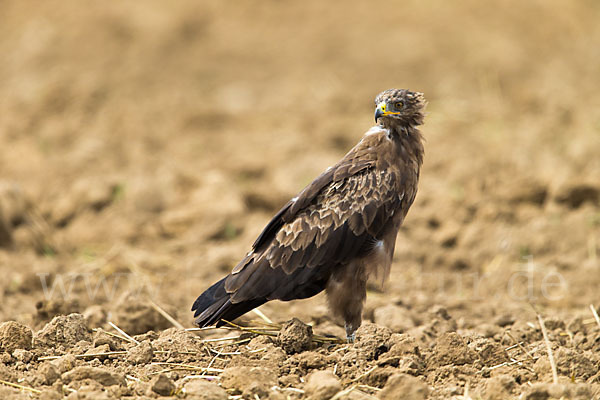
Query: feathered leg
point(346, 293)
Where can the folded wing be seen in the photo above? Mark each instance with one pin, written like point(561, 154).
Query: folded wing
point(336, 218)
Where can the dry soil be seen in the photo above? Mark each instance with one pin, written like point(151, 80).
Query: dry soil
point(144, 145)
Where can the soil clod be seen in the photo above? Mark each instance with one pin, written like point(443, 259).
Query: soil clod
point(295, 336)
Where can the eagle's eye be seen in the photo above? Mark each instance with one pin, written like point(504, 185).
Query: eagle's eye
point(399, 105)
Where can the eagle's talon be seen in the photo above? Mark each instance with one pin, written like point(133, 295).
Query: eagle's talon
point(350, 333)
point(351, 338)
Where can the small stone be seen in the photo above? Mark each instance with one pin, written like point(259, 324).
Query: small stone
point(100, 375)
point(83, 346)
point(322, 385)
point(450, 348)
point(141, 353)
point(162, 385)
point(295, 336)
point(101, 339)
point(14, 335)
point(63, 330)
point(404, 354)
point(490, 352)
point(22, 355)
point(411, 365)
point(65, 363)
point(48, 373)
point(372, 341)
point(199, 389)
point(409, 387)
point(98, 352)
point(151, 336)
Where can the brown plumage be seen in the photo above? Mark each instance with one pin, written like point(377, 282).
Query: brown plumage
point(339, 230)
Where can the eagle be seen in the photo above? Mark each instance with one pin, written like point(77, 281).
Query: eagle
point(338, 231)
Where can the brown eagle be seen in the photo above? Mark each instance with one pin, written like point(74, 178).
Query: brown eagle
point(338, 231)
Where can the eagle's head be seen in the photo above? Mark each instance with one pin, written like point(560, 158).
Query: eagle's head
point(402, 106)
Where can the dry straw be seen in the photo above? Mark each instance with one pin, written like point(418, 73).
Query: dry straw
point(549, 349)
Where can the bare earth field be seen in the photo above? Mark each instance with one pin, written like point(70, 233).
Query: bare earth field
point(144, 145)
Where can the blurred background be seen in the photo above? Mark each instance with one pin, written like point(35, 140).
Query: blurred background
point(144, 145)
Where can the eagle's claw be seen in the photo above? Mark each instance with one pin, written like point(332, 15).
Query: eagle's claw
point(350, 333)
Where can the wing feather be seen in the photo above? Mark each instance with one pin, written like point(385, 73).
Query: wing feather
point(334, 219)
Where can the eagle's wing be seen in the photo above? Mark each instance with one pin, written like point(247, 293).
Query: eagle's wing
point(340, 222)
point(336, 218)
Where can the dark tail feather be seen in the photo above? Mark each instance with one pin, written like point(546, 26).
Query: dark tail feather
point(209, 297)
point(215, 305)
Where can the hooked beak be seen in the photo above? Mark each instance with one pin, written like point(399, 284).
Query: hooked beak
point(379, 111)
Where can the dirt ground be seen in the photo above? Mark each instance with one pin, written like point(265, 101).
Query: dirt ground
point(144, 145)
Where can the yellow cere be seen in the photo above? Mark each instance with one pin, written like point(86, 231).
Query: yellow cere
point(382, 107)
